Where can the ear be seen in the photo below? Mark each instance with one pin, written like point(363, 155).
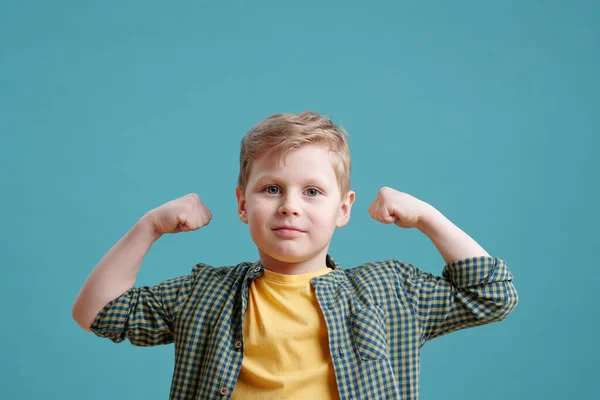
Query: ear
point(241, 201)
point(345, 207)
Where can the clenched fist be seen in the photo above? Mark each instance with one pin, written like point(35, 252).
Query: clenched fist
point(402, 209)
point(184, 214)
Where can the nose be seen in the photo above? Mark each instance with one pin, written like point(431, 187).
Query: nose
point(288, 206)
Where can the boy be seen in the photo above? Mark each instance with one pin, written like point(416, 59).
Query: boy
point(294, 324)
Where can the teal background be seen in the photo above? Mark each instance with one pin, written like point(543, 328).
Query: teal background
point(487, 110)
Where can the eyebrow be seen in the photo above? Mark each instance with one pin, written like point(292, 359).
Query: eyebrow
point(309, 181)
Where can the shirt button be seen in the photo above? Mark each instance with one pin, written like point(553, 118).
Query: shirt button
point(238, 344)
point(224, 391)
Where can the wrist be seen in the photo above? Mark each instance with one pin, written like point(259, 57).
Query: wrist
point(147, 228)
point(429, 219)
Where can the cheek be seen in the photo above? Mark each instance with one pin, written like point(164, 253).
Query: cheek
point(257, 213)
point(256, 225)
point(325, 217)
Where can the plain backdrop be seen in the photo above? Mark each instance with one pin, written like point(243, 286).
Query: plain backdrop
point(487, 110)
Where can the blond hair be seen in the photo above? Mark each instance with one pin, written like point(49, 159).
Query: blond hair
point(281, 133)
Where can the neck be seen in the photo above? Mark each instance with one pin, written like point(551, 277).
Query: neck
point(294, 267)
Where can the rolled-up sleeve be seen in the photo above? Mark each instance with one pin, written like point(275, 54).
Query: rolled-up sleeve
point(472, 291)
point(144, 315)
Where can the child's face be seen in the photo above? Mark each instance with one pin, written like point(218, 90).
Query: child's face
point(301, 193)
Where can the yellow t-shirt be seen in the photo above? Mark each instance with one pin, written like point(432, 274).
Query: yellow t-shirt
point(286, 348)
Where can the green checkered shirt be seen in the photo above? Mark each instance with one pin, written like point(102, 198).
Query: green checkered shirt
point(378, 316)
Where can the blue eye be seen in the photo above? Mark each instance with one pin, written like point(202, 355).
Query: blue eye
point(312, 192)
point(272, 189)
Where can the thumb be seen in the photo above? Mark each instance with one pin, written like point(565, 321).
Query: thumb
point(182, 219)
point(386, 214)
point(389, 218)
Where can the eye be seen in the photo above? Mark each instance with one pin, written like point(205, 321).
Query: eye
point(272, 189)
point(312, 192)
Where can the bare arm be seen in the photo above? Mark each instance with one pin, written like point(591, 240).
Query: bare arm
point(118, 269)
point(451, 241)
point(115, 273)
point(406, 211)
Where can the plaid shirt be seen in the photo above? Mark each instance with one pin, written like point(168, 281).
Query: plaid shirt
point(378, 316)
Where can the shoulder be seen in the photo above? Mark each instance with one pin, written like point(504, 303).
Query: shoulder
point(221, 272)
point(382, 272)
point(374, 282)
point(205, 275)
point(373, 268)
point(370, 276)
point(218, 281)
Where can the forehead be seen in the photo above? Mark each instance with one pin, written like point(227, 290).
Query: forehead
point(307, 160)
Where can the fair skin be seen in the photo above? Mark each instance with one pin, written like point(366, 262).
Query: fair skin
point(302, 193)
point(292, 208)
point(117, 270)
point(406, 211)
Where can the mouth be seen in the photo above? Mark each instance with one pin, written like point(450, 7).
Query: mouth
point(287, 231)
point(287, 228)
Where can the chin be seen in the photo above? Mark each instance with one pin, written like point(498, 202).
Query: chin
point(287, 255)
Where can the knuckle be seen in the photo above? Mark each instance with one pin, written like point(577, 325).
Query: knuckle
point(193, 197)
point(385, 191)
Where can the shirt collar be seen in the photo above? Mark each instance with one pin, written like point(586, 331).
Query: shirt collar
point(256, 269)
point(330, 262)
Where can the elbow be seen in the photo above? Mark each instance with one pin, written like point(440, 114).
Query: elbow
point(505, 303)
point(491, 305)
point(79, 317)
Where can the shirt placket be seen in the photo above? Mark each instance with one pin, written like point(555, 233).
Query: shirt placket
point(225, 391)
point(325, 291)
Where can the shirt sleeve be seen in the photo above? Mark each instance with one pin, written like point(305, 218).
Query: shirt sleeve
point(472, 291)
point(144, 315)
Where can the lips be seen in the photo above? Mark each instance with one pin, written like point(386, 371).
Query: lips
point(288, 232)
point(287, 228)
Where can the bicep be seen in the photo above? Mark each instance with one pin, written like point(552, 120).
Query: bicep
point(471, 292)
point(144, 315)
